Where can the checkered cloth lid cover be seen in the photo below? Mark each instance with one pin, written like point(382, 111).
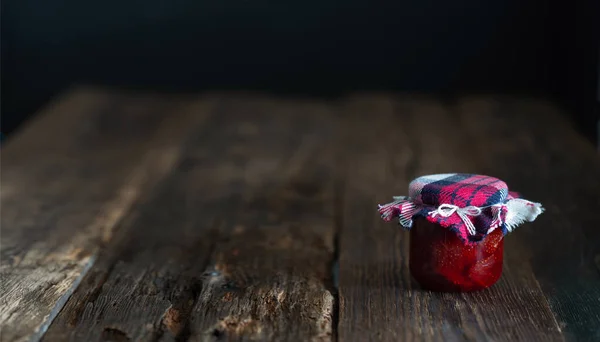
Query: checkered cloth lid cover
point(470, 205)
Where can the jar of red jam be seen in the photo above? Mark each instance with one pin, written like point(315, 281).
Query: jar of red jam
point(458, 223)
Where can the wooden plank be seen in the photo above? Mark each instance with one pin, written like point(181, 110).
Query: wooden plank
point(270, 277)
point(67, 180)
point(548, 160)
point(204, 255)
point(374, 255)
point(369, 271)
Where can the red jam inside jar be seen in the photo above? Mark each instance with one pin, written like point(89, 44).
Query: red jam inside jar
point(440, 261)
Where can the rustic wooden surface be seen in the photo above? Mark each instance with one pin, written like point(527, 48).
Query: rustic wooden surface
point(247, 217)
point(67, 180)
point(188, 265)
point(377, 258)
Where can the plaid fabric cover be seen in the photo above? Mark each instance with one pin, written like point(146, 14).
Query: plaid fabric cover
point(453, 200)
point(458, 189)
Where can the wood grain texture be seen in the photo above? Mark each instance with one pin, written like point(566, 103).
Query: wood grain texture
point(408, 145)
point(67, 180)
point(549, 162)
point(236, 244)
point(158, 218)
point(270, 278)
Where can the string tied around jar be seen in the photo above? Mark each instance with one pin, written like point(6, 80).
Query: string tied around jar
point(447, 210)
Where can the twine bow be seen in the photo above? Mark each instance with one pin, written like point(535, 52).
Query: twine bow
point(447, 210)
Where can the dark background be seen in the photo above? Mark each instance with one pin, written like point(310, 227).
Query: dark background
point(542, 49)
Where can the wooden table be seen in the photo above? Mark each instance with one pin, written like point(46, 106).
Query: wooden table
point(152, 217)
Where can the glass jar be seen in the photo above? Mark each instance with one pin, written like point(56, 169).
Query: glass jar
point(458, 222)
point(440, 261)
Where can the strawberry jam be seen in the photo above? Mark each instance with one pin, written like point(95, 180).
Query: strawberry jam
point(440, 261)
